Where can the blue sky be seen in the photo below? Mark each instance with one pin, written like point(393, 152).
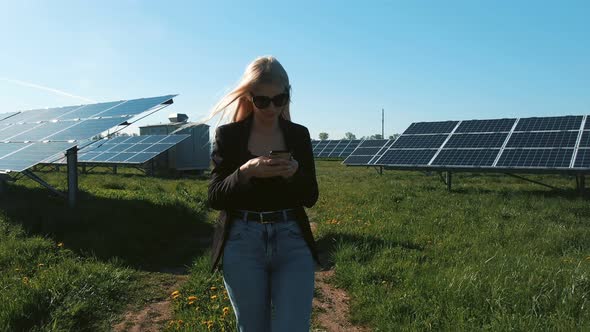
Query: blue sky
point(419, 60)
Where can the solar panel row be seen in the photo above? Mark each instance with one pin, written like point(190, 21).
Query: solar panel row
point(552, 142)
point(334, 148)
point(73, 122)
point(127, 150)
point(368, 151)
point(17, 157)
point(34, 136)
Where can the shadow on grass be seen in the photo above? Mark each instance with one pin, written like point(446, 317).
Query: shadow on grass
point(327, 245)
point(568, 193)
point(138, 233)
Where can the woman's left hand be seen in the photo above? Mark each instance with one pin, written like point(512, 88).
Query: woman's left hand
point(292, 166)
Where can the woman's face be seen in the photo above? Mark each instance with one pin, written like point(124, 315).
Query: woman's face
point(260, 94)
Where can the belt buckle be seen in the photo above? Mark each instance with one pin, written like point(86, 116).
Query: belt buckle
point(261, 214)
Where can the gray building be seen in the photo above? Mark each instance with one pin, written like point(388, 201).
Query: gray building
point(192, 154)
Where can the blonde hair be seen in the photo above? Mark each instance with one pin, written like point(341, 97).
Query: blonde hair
point(264, 69)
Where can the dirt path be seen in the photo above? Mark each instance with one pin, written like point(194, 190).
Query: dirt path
point(330, 306)
point(154, 315)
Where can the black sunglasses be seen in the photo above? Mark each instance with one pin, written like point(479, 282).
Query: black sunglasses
point(263, 101)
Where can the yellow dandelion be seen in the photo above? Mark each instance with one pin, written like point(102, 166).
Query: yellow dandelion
point(175, 293)
point(225, 291)
point(61, 244)
point(25, 280)
point(225, 310)
point(191, 302)
point(213, 297)
point(192, 298)
point(213, 288)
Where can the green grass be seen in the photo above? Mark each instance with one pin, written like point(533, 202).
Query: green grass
point(126, 228)
point(496, 253)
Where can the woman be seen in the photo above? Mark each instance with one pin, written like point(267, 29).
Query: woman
point(263, 233)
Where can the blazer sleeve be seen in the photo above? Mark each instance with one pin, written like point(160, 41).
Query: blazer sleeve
point(303, 184)
point(224, 187)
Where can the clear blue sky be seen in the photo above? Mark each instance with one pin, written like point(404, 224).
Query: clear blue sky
point(419, 60)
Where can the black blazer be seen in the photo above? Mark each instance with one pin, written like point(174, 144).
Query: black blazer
point(229, 152)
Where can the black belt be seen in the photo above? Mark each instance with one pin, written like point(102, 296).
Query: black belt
point(264, 217)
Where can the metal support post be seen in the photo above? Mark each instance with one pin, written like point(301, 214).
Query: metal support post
point(449, 180)
point(72, 158)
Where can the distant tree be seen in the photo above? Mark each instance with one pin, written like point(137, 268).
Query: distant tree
point(349, 136)
point(376, 136)
point(323, 136)
point(394, 136)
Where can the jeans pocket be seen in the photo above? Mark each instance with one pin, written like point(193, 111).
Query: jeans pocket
point(295, 232)
point(235, 232)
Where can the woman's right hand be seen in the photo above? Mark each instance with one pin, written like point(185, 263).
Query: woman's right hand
point(262, 167)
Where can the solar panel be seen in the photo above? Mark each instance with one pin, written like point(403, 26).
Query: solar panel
point(431, 127)
point(492, 140)
point(128, 150)
point(329, 147)
point(334, 148)
point(585, 141)
point(550, 123)
point(481, 126)
point(582, 159)
point(74, 122)
point(372, 143)
point(552, 139)
point(4, 116)
point(466, 157)
point(320, 147)
point(367, 151)
point(536, 158)
point(31, 137)
point(17, 157)
point(122, 108)
point(314, 144)
point(419, 141)
point(350, 148)
point(338, 149)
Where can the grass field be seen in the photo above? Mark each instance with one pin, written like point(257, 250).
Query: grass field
point(496, 253)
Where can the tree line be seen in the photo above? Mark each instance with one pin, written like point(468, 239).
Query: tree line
point(351, 136)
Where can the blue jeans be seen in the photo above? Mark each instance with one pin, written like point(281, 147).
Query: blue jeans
point(266, 264)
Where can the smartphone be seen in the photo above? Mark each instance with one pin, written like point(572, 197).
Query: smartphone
point(280, 154)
